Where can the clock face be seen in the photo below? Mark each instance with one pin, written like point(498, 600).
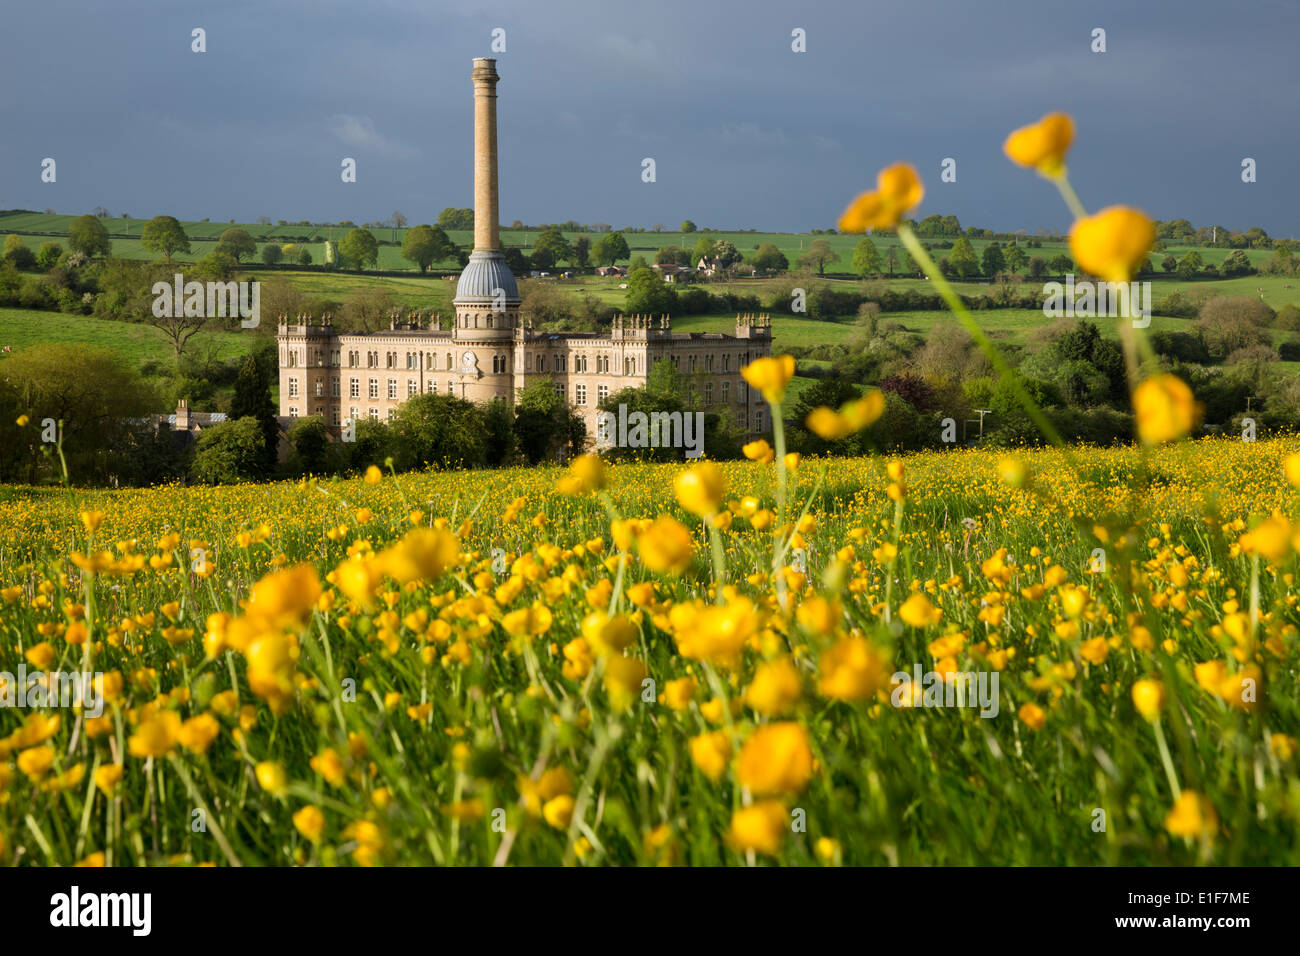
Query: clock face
point(467, 360)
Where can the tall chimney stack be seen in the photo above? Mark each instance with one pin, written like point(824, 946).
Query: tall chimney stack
point(486, 221)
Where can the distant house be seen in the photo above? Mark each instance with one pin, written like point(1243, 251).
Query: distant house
point(186, 425)
point(672, 272)
point(708, 266)
point(611, 271)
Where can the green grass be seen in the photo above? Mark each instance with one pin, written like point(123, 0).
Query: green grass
point(136, 342)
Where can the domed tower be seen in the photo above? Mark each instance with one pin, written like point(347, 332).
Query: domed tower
point(487, 298)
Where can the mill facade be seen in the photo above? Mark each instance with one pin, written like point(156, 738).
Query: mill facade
point(487, 350)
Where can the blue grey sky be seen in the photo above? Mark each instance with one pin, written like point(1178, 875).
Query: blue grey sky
point(745, 133)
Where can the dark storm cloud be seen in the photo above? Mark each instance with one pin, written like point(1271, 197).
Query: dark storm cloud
point(744, 132)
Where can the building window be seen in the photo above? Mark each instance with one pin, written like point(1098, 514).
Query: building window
point(392, 388)
point(559, 390)
point(541, 363)
point(320, 389)
point(448, 361)
point(742, 391)
point(629, 366)
point(336, 414)
point(758, 420)
point(726, 389)
point(374, 388)
point(561, 362)
point(293, 387)
point(354, 388)
point(334, 388)
point(580, 394)
point(293, 411)
point(602, 392)
point(433, 387)
point(692, 363)
point(708, 393)
point(451, 387)
point(412, 386)
point(352, 413)
point(726, 363)
point(392, 413)
point(374, 414)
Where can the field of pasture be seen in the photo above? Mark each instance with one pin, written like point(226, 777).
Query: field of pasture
point(474, 668)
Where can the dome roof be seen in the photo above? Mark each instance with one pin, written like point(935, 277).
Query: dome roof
point(484, 272)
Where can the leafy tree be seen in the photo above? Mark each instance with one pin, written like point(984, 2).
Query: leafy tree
point(440, 430)
point(456, 218)
point(1014, 257)
point(87, 235)
point(48, 255)
point(818, 255)
point(544, 423)
point(993, 261)
point(1037, 267)
point(311, 445)
point(18, 253)
point(499, 430)
point(770, 259)
point(891, 257)
point(367, 309)
point(866, 259)
point(648, 294)
point(688, 226)
point(1168, 263)
point(832, 393)
point(1229, 323)
point(359, 248)
point(272, 253)
point(425, 245)
point(237, 243)
point(516, 261)
point(1060, 264)
point(672, 255)
point(375, 444)
point(962, 258)
point(229, 452)
point(164, 234)
point(666, 391)
point(703, 250)
point(581, 252)
point(1237, 263)
point(93, 391)
point(610, 249)
point(1189, 265)
point(252, 400)
point(726, 253)
point(551, 247)
point(304, 256)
